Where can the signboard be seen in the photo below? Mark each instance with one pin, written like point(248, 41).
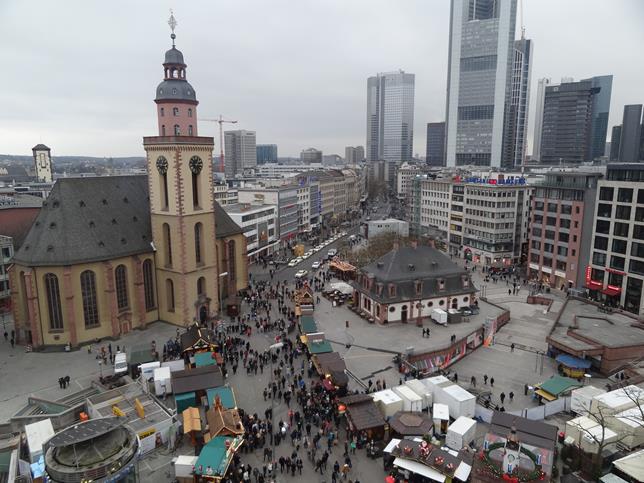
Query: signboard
point(590, 283)
point(500, 181)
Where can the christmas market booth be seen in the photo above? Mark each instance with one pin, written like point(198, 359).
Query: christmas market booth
point(331, 367)
point(197, 339)
point(215, 458)
point(363, 417)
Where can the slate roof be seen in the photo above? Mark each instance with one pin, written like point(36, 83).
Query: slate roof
point(404, 266)
point(90, 219)
point(199, 379)
point(531, 432)
point(94, 219)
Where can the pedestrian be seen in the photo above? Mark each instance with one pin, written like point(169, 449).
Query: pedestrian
point(525, 389)
point(491, 381)
point(509, 291)
point(502, 396)
point(512, 347)
point(6, 336)
point(511, 395)
point(13, 342)
point(473, 381)
point(485, 379)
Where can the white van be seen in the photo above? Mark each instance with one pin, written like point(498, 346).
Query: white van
point(439, 316)
point(120, 363)
point(332, 253)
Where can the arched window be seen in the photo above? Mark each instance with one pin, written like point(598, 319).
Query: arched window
point(120, 276)
point(177, 131)
point(163, 130)
point(148, 284)
point(175, 111)
point(198, 242)
point(88, 293)
point(231, 260)
point(162, 112)
point(53, 302)
point(169, 294)
point(164, 191)
point(201, 286)
point(190, 112)
point(190, 130)
point(167, 245)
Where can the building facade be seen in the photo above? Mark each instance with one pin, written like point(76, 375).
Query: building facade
point(481, 53)
point(259, 225)
point(390, 116)
point(6, 254)
point(405, 174)
point(615, 273)
point(538, 118)
point(353, 155)
point(42, 163)
point(106, 255)
point(266, 153)
point(629, 141)
point(560, 228)
point(311, 156)
point(615, 140)
point(241, 152)
point(435, 154)
point(601, 110)
point(286, 201)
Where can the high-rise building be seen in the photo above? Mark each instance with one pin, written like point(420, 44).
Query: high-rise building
point(435, 155)
point(390, 116)
point(538, 118)
point(311, 155)
point(629, 145)
point(481, 54)
point(615, 139)
point(266, 153)
point(574, 118)
point(241, 152)
point(514, 139)
point(353, 155)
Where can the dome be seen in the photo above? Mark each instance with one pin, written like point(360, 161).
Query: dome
point(175, 90)
point(173, 56)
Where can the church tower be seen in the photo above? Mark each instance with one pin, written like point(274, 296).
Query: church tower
point(181, 200)
point(42, 161)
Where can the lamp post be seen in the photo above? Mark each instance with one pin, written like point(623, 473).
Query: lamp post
point(271, 348)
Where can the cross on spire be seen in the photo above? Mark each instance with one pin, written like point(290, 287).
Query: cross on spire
point(172, 22)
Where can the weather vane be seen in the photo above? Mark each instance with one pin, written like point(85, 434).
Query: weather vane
point(172, 22)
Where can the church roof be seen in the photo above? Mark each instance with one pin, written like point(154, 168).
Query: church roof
point(40, 147)
point(89, 219)
point(93, 219)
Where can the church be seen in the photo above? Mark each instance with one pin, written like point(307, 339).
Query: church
point(107, 255)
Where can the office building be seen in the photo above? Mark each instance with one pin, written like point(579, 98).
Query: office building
point(615, 274)
point(538, 118)
point(259, 224)
point(311, 155)
point(241, 152)
point(560, 228)
point(353, 155)
point(266, 153)
point(629, 144)
point(390, 116)
point(435, 155)
point(574, 121)
point(514, 142)
point(405, 174)
point(481, 54)
point(615, 140)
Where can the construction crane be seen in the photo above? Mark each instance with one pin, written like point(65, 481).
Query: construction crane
point(221, 121)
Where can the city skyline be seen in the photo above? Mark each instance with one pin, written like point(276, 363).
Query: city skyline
point(62, 90)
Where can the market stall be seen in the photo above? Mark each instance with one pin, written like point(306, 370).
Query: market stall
point(215, 458)
point(197, 339)
point(406, 424)
point(364, 417)
point(572, 366)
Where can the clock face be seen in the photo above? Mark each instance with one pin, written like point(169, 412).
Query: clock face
point(162, 165)
point(196, 164)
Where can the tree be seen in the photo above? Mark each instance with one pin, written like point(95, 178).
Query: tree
point(377, 247)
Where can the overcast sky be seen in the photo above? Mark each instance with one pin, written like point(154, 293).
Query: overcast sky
point(80, 75)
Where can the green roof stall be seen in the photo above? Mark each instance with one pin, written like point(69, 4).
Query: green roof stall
point(215, 457)
point(556, 386)
point(308, 325)
point(204, 359)
point(226, 395)
point(319, 346)
point(184, 401)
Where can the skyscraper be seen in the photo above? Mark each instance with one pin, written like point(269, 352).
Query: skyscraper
point(311, 155)
point(435, 155)
point(241, 152)
point(574, 119)
point(353, 155)
point(538, 118)
point(266, 153)
point(629, 145)
point(481, 54)
point(615, 139)
point(514, 137)
point(390, 116)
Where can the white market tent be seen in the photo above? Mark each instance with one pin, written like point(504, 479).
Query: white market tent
point(632, 465)
point(419, 469)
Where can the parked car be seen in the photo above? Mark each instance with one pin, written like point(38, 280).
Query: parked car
point(315, 265)
point(301, 273)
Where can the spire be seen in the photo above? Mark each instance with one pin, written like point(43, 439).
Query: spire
point(172, 22)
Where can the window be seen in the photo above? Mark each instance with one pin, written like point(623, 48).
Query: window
point(566, 209)
point(53, 302)
point(621, 229)
point(190, 130)
point(551, 221)
point(120, 276)
point(548, 247)
point(189, 112)
point(484, 62)
point(169, 294)
point(162, 112)
point(617, 262)
point(637, 249)
point(638, 232)
point(167, 245)
point(602, 226)
point(163, 130)
point(562, 251)
point(536, 232)
point(148, 284)
point(606, 194)
point(619, 246)
point(561, 265)
point(471, 113)
point(198, 242)
point(636, 266)
point(597, 275)
point(552, 207)
point(623, 212)
point(88, 293)
point(615, 279)
point(625, 195)
point(639, 214)
point(599, 258)
point(195, 190)
point(538, 205)
point(550, 235)
point(601, 243)
point(175, 111)
point(604, 210)
point(633, 294)
point(201, 286)
point(177, 131)
point(640, 196)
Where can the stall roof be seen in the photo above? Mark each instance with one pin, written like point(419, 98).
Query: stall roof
point(531, 432)
point(196, 338)
point(458, 393)
point(205, 359)
point(419, 469)
point(632, 465)
point(308, 325)
point(319, 346)
point(226, 395)
point(191, 420)
point(215, 456)
point(365, 415)
point(557, 385)
point(200, 378)
point(440, 411)
point(572, 361)
point(619, 397)
point(411, 424)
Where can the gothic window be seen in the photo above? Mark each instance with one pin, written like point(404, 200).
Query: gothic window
point(162, 112)
point(120, 276)
point(169, 294)
point(148, 284)
point(90, 303)
point(53, 302)
point(167, 245)
point(189, 112)
point(175, 111)
point(231, 260)
point(195, 190)
point(198, 242)
point(164, 191)
point(163, 130)
point(177, 131)
point(201, 286)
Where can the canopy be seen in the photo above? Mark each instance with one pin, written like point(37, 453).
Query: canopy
point(557, 385)
point(546, 395)
point(319, 346)
point(205, 359)
point(632, 465)
point(308, 325)
point(574, 362)
point(343, 287)
point(612, 291)
point(419, 469)
point(191, 420)
point(342, 266)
